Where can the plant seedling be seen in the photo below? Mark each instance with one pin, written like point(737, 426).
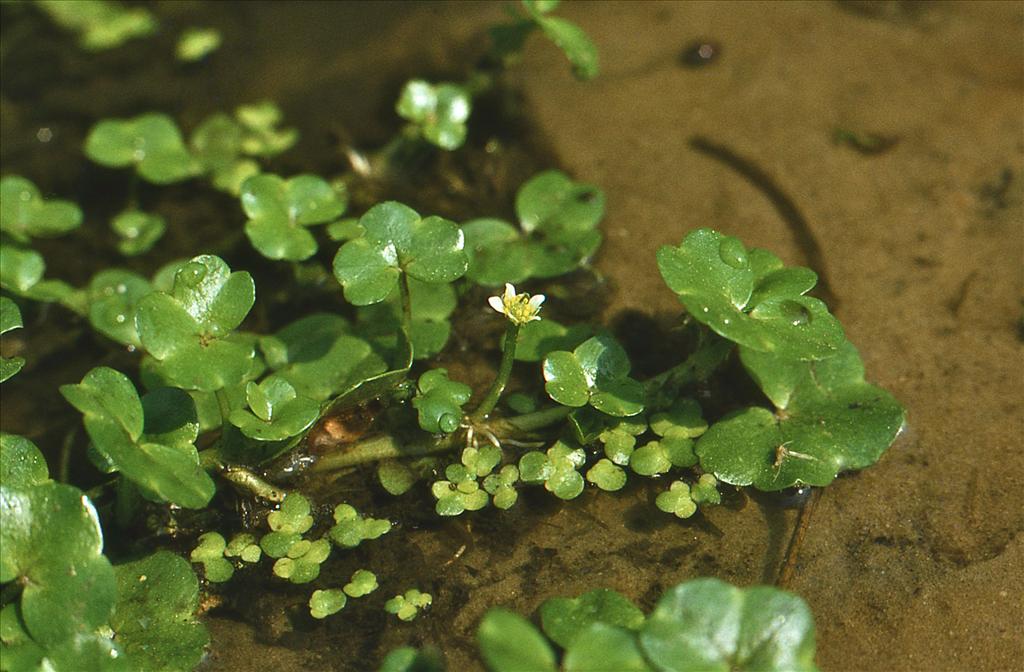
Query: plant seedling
point(100, 25)
point(188, 331)
point(324, 603)
point(244, 547)
point(280, 212)
point(302, 562)
point(291, 520)
point(557, 469)
point(461, 492)
point(10, 319)
point(607, 475)
point(408, 606)
point(595, 373)
point(439, 401)
point(677, 500)
point(210, 553)
point(24, 214)
point(275, 411)
point(151, 440)
point(351, 528)
point(138, 231)
point(501, 486)
point(438, 112)
point(150, 142)
point(363, 583)
point(261, 136)
point(195, 44)
point(396, 241)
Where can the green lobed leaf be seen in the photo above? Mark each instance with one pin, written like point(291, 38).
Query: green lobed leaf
point(154, 619)
point(718, 281)
point(138, 231)
point(189, 330)
point(319, 356)
point(564, 618)
point(595, 373)
point(277, 411)
point(24, 214)
point(160, 456)
point(195, 44)
point(65, 593)
point(510, 643)
point(280, 210)
point(21, 463)
point(574, 43)
point(10, 319)
point(113, 297)
point(707, 624)
point(833, 421)
point(604, 647)
point(439, 402)
point(150, 142)
point(324, 603)
point(439, 110)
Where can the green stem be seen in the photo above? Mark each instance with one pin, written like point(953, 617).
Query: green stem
point(508, 354)
point(225, 409)
point(538, 419)
point(382, 447)
point(403, 290)
point(711, 354)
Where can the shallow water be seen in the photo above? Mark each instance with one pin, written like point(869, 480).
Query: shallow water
point(912, 564)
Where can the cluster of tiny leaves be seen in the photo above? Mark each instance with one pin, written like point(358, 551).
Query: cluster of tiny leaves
point(408, 605)
point(439, 402)
point(351, 528)
point(557, 469)
point(438, 111)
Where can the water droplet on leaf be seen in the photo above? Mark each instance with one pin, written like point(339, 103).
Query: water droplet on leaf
point(732, 252)
point(794, 313)
point(192, 273)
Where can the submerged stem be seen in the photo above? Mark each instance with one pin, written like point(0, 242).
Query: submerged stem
point(508, 355)
point(711, 354)
point(803, 522)
point(382, 447)
point(403, 290)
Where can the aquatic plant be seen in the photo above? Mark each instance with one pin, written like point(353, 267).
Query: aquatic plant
point(225, 395)
point(703, 624)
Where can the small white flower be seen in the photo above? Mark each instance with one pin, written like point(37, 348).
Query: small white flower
point(519, 308)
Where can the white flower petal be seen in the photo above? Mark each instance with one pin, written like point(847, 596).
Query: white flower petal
point(510, 291)
point(496, 303)
point(536, 300)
